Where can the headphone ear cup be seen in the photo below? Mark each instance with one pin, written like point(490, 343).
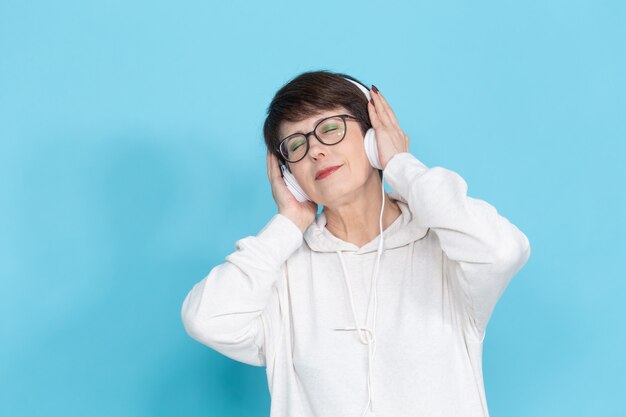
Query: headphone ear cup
point(293, 185)
point(371, 148)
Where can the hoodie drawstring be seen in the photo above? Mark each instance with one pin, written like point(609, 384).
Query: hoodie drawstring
point(367, 333)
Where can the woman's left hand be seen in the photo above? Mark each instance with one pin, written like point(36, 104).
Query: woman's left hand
point(390, 138)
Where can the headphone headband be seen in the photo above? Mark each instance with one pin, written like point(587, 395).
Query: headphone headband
point(363, 89)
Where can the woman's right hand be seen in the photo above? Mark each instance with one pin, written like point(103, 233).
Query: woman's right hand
point(302, 214)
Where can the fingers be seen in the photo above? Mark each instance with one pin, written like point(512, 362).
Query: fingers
point(268, 162)
point(273, 170)
point(381, 112)
point(390, 111)
point(374, 118)
point(384, 109)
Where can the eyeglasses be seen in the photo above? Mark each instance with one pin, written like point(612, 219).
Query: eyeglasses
point(329, 131)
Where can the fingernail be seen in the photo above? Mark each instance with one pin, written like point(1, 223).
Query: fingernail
point(374, 88)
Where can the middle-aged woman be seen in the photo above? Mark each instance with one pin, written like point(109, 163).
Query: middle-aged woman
point(349, 319)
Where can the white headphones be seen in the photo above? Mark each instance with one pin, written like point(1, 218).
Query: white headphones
point(371, 150)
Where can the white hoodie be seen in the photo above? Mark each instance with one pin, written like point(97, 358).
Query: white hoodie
point(279, 303)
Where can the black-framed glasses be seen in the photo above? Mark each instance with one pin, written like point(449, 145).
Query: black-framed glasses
point(329, 131)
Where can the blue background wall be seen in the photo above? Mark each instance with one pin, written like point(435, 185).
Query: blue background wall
point(132, 159)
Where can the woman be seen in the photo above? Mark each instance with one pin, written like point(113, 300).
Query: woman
point(342, 330)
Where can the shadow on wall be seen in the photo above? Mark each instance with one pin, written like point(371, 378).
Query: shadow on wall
point(205, 383)
point(109, 235)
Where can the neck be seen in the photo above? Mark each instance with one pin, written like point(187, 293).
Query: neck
point(357, 222)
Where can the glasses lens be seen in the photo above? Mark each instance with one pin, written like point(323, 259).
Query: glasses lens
point(331, 130)
point(294, 148)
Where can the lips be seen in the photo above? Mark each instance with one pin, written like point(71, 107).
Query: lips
point(323, 173)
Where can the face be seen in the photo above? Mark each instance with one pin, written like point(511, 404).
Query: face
point(343, 184)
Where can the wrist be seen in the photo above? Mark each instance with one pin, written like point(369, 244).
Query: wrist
point(300, 223)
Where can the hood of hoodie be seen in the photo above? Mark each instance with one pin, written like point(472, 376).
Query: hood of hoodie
point(401, 232)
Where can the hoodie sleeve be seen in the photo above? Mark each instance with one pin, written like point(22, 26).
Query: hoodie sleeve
point(224, 311)
point(482, 249)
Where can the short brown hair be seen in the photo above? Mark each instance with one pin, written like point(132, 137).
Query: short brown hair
point(309, 93)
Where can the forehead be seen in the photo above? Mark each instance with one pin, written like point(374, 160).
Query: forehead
point(288, 128)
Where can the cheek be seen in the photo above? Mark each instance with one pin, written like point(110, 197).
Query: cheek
point(358, 157)
point(302, 177)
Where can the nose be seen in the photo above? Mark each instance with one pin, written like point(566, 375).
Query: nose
point(316, 148)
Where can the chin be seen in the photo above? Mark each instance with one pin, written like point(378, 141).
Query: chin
point(339, 196)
